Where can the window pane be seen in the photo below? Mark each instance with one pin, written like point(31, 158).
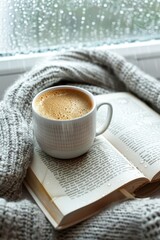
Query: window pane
point(41, 25)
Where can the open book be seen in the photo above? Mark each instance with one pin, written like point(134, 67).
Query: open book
point(124, 161)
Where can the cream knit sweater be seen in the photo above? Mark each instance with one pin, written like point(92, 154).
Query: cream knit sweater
point(99, 72)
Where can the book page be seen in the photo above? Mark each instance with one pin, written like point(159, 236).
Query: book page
point(78, 182)
point(134, 130)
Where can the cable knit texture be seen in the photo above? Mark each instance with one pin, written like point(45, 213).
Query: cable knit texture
point(99, 71)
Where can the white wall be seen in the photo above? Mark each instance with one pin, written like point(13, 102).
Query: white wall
point(6, 81)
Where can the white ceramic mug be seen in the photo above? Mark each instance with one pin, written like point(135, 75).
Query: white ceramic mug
point(67, 139)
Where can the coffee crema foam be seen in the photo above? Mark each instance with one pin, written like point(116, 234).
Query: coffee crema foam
point(63, 104)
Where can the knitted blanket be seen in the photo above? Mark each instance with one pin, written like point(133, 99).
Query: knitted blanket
point(100, 72)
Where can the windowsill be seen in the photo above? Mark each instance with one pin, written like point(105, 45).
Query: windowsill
point(146, 55)
point(135, 52)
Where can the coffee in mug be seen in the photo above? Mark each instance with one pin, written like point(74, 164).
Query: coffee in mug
point(64, 121)
point(63, 104)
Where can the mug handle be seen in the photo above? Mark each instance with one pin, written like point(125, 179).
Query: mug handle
point(108, 120)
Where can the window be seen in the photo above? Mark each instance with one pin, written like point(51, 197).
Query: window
point(42, 25)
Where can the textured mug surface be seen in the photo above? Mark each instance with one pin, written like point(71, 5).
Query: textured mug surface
point(71, 138)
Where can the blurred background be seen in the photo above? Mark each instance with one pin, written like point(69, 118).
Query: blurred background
point(29, 26)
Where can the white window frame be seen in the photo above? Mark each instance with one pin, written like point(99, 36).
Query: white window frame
point(145, 55)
